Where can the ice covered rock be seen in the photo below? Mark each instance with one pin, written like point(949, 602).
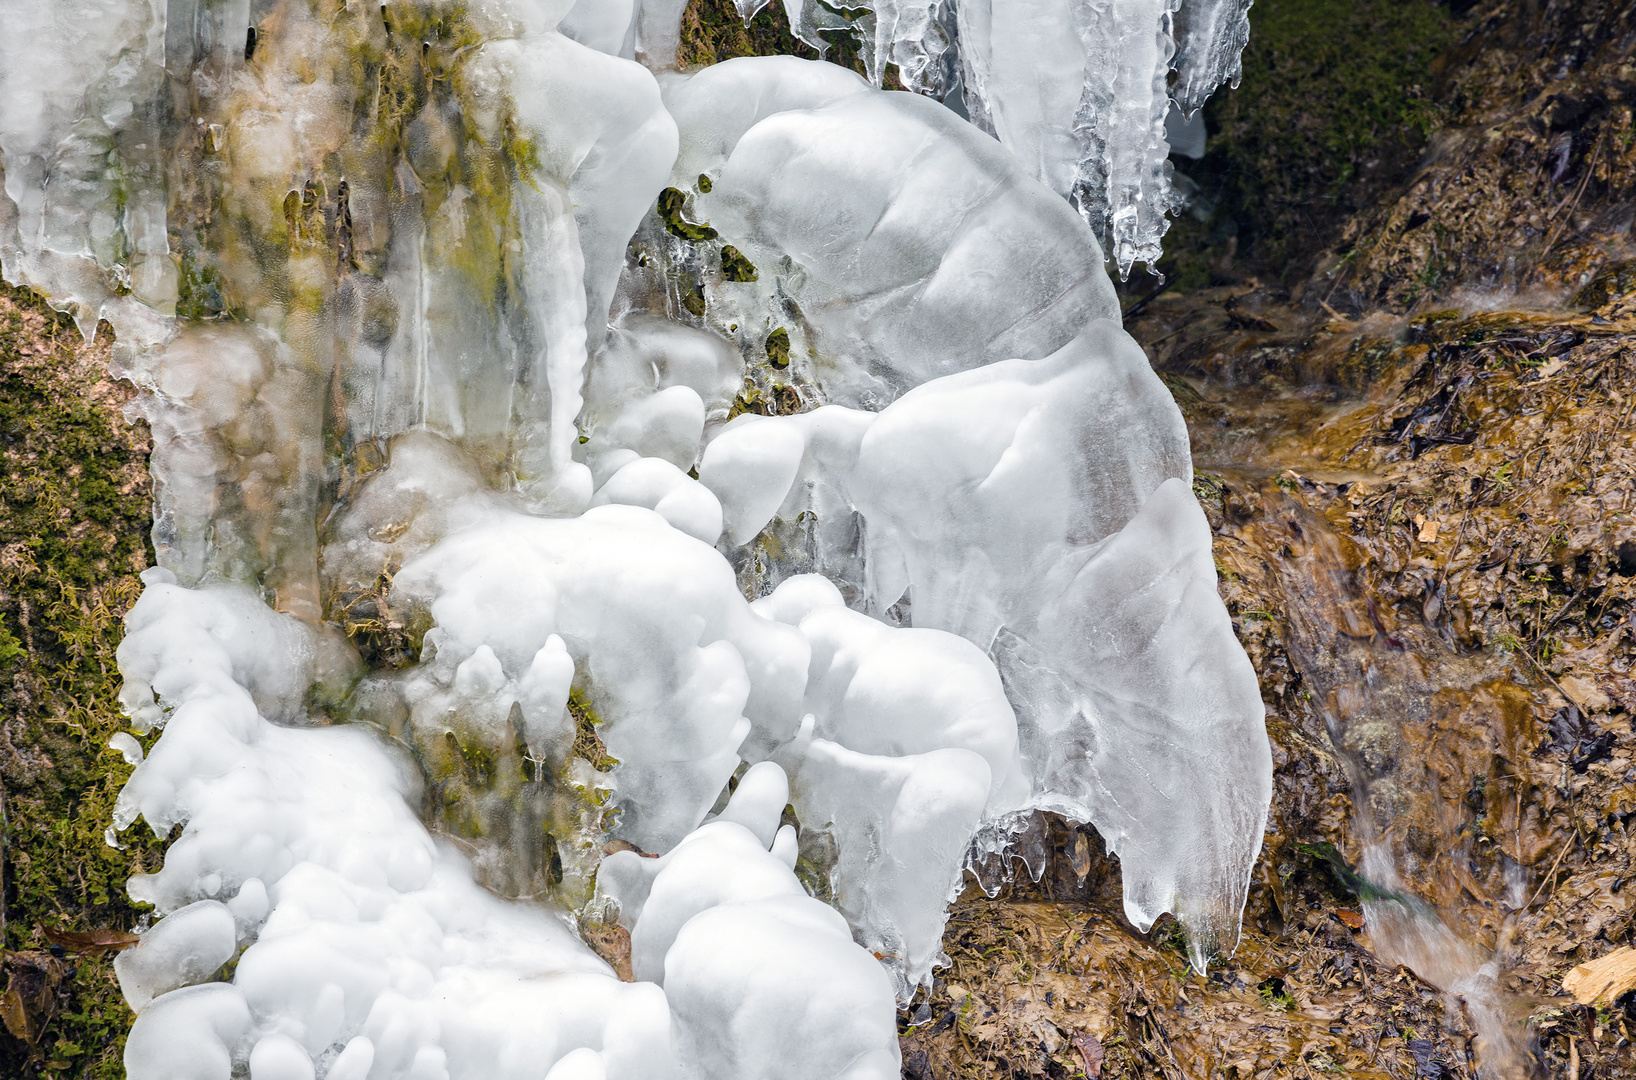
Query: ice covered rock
point(914, 245)
point(657, 484)
point(377, 943)
point(1143, 666)
point(789, 468)
point(607, 26)
point(975, 486)
point(1042, 510)
point(83, 208)
point(682, 676)
point(752, 985)
point(491, 378)
point(909, 744)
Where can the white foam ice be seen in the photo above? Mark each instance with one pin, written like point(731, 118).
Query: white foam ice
point(741, 562)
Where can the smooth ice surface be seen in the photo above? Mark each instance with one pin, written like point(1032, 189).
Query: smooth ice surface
point(915, 246)
point(722, 502)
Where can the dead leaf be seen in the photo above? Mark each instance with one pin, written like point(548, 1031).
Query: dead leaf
point(16, 1018)
point(1080, 859)
point(92, 942)
point(1546, 370)
point(1606, 979)
point(1585, 693)
point(30, 1000)
point(1350, 918)
point(1090, 1052)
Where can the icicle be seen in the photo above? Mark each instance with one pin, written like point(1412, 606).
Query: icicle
point(1122, 179)
point(1076, 89)
point(1210, 40)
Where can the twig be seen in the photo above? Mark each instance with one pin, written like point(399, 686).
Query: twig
point(1332, 312)
point(1561, 611)
point(1549, 873)
point(1141, 305)
point(1541, 669)
point(1443, 578)
point(1556, 231)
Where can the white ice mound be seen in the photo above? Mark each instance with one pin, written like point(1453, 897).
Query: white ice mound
point(909, 744)
point(913, 244)
point(356, 935)
point(1043, 511)
point(676, 666)
point(1004, 504)
point(762, 979)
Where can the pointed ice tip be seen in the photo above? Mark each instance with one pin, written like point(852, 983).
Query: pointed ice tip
point(1198, 958)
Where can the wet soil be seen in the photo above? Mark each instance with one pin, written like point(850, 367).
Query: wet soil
point(1425, 537)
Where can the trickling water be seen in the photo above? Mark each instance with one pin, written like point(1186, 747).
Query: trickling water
point(1373, 681)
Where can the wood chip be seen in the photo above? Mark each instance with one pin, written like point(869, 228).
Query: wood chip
point(1606, 979)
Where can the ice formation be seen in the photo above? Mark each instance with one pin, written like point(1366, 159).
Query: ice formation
point(718, 508)
point(1076, 89)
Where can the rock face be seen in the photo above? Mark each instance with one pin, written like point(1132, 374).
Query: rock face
point(1527, 183)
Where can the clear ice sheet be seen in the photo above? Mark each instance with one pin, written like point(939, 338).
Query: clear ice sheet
point(488, 610)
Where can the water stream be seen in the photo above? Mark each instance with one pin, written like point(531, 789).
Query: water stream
point(1380, 686)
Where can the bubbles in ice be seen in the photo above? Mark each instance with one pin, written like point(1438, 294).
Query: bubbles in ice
point(721, 505)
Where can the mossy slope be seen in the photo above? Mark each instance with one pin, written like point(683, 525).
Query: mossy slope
point(74, 516)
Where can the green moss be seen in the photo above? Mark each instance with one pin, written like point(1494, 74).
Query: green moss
point(672, 211)
point(587, 743)
point(73, 530)
point(200, 290)
point(10, 647)
point(735, 267)
point(778, 348)
point(712, 31)
point(1336, 100)
point(693, 300)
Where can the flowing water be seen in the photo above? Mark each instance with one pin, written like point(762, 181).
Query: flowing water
point(1379, 686)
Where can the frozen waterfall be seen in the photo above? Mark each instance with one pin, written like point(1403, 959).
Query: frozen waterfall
point(717, 508)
